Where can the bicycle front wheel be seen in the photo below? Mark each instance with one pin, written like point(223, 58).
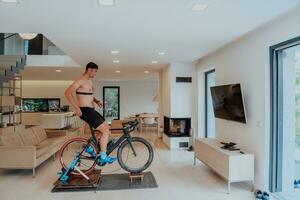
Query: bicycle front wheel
point(135, 155)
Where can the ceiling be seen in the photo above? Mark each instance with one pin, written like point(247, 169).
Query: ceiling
point(139, 29)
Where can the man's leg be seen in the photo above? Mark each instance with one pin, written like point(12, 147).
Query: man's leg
point(104, 129)
point(98, 134)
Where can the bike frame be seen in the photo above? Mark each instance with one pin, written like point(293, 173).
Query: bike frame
point(125, 137)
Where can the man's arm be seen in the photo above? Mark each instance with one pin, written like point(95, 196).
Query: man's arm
point(68, 93)
point(98, 102)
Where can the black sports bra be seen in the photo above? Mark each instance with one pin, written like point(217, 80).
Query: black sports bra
point(85, 93)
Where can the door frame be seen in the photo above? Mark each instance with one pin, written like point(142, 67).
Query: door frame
point(103, 100)
point(276, 112)
point(205, 96)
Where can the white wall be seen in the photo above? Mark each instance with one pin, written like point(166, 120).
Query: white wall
point(165, 92)
point(246, 61)
point(178, 99)
point(50, 61)
point(182, 93)
point(45, 89)
point(13, 45)
point(135, 96)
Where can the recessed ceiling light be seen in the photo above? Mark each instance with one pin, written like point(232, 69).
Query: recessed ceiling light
point(154, 62)
point(118, 71)
point(146, 72)
point(116, 61)
point(106, 2)
point(58, 70)
point(161, 53)
point(9, 1)
point(114, 52)
point(199, 7)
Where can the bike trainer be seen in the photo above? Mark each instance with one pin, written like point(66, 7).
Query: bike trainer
point(79, 182)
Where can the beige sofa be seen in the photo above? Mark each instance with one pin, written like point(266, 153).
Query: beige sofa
point(27, 148)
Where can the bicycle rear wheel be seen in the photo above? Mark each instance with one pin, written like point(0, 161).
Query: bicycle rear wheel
point(135, 163)
point(73, 148)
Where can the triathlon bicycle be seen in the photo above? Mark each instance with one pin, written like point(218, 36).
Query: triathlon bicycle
point(78, 156)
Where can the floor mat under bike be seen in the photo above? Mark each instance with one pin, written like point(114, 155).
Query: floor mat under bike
point(108, 182)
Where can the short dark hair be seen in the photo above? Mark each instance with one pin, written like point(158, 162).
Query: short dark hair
point(91, 65)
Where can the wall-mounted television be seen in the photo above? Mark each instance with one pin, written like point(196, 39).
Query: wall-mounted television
point(40, 104)
point(228, 102)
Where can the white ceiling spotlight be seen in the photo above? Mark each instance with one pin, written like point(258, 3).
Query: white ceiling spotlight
point(109, 3)
point(9, 1)
point(58, 70)
point(28, 36)
point(114, 52)
point(116, 61)
point(118, 71)
point(154, 62)
point(198, 7)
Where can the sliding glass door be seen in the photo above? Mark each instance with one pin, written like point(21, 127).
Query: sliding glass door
point(210, 77)
point(111, 103)
point(285, 115)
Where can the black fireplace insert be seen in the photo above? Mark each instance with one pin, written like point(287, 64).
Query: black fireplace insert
point(177, 127)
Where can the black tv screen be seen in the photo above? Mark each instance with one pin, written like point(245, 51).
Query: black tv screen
point(228, 102)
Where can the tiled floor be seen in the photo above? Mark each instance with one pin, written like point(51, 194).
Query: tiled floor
point(175, 173)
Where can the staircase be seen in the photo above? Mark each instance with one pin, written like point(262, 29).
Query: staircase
point(9, 66)
point(10, 92)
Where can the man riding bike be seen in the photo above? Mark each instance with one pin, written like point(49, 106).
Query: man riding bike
point(85, 109)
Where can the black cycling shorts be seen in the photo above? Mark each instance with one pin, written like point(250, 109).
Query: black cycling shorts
point(91, 116)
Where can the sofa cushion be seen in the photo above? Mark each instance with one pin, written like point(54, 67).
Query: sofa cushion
point(19, 127)
point(48, 145)
point(11, 139)
point(5, 130)
point(39, 132)
point(28, 137)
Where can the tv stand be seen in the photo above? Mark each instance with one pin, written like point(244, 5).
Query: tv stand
point(233, 166)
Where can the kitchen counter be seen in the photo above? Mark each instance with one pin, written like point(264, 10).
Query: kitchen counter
point(49, 120)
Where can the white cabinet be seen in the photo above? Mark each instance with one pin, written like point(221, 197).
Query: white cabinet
point(231, 165)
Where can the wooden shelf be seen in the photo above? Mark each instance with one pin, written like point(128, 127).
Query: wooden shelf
point(11, 88)
point(11, 96)
point(7, 100)
point(10, 112)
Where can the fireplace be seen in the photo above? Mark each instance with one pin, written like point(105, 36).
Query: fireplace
point(177, 127)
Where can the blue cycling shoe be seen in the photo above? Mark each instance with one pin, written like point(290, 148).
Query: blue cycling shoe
point(297, 184)
point(106, 160)
point(259, 195)
point(266, 196)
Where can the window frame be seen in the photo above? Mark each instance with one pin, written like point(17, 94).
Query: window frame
point(205, 96)
point(103, 99)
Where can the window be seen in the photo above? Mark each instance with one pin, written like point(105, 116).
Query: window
point(209, 110)
point(111, 103)
point(285, 118)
